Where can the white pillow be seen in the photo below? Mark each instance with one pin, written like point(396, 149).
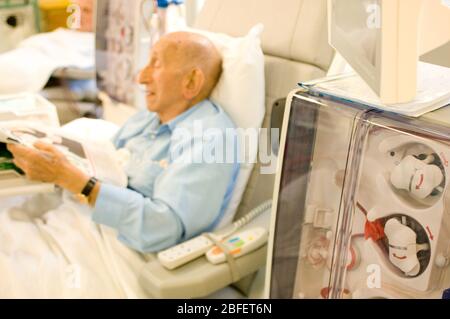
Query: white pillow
point(241, 93)
point(241, 88)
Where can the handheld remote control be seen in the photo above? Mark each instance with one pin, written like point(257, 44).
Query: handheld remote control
point(239, 244)
point(185, 252)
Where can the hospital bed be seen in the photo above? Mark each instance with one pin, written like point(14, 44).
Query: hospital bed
point(62, 59)
point(74, 93)
point(295, 47)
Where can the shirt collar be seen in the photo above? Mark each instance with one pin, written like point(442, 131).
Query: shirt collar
point(172, 124)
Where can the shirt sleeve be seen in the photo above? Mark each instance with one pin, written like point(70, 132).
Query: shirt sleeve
point(187, 199)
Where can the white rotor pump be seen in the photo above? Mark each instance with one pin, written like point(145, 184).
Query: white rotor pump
point(403, 247)
point(418, 174)
point(417, 177)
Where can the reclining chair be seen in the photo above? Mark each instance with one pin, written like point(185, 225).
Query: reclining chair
point(296, 49)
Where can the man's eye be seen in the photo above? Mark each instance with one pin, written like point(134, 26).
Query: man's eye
point(157, 63)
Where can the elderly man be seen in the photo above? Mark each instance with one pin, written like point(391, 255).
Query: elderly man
point(169, 197)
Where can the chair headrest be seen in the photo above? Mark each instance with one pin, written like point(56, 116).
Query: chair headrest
point(293, 29)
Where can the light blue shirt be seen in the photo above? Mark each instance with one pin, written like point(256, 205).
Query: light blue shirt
point(171, 196)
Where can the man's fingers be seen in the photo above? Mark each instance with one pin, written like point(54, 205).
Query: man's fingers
point(48, 150)
point(17, 150)
point(24, 154)
point(45, 147)
point(13, 147)
point(24, 151)
point(23, 165)
point(19, 163)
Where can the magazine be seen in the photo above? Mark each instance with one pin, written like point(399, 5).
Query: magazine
point(97, 159)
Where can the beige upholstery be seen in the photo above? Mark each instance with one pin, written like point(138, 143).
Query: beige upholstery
point(296, 48)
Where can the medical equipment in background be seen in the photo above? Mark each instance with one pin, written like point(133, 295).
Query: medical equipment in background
point(124, 36)
point(193, 7)
point(383, 39)
point(171, 15)
point(362, 203)
point(74, 93)
point(18, 20)
point(54, 14)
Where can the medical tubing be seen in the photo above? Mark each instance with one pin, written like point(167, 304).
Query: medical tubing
point(255, 212)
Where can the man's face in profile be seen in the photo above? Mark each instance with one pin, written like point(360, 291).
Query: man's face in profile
point(162, 77)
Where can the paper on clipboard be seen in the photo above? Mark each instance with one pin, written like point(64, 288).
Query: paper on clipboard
point(433, 91)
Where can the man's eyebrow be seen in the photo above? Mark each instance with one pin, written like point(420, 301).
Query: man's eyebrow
point(152, 57)
point(156, 54)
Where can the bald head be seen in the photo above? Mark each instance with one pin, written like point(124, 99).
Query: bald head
point(191, 50)
point(183, 70)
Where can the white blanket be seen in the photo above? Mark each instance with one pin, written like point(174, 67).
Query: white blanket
point(50, 248)
point(28, 67)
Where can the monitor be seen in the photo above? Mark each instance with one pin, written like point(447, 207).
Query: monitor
point(18, 20)
point(382, 40)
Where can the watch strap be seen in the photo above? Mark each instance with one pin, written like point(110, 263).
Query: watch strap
point(87, 190)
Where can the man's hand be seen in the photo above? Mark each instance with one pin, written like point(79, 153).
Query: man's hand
point(47, 164)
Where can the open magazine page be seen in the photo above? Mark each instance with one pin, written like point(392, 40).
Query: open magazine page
point(12, 180)
point(6, 160)
point(97, 158)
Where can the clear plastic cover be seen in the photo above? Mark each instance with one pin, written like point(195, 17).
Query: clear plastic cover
point(363, 207)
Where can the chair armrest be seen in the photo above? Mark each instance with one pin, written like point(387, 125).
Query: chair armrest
point(196, 279)
point(200, 278)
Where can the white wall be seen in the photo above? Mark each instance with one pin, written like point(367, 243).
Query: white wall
point(193, 7)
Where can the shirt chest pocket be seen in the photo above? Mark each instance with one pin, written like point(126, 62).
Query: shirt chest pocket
point(142, 176)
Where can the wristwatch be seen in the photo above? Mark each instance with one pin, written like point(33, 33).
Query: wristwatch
point(83, 197)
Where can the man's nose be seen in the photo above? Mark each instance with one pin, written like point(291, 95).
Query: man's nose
point(144, 76)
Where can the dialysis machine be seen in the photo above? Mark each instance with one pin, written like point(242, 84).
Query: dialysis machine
point(362, 200)
point(362, 206)
point(123, 41)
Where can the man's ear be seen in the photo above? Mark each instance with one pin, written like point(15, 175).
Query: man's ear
point(193, 84)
